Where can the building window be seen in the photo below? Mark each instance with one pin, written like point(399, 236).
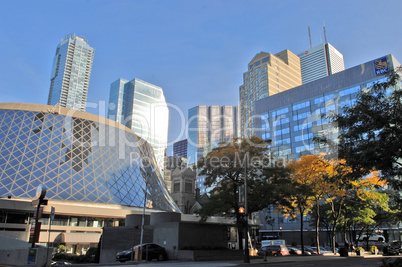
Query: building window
point(188, 187)
point(176, 187)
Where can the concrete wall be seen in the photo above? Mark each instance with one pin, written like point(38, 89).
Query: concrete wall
point(203, 236)
point(15, 252)
point(161, 217)
point(116, 239)
point(136, 220)
point(167, 236)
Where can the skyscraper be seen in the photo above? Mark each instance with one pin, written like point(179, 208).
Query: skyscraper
point(180, 148)
point(207, 127)
point(320, 61)
point(267, 75)
point(71, 72)
point(142, 107)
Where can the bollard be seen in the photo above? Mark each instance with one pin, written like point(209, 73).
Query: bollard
point(265, 256)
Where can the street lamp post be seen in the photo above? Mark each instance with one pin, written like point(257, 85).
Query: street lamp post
point(246, 251)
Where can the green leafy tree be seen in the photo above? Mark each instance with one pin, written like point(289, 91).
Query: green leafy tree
point(225, 168)
point(371, 130)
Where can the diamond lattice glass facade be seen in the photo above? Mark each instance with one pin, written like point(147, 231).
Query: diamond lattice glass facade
point(79, 156)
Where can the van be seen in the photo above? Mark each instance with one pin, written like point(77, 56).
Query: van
point(372, 238)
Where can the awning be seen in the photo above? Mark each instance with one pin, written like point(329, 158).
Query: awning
point(80, 238)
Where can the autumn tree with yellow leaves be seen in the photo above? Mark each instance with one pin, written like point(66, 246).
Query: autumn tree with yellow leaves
point(314, 180)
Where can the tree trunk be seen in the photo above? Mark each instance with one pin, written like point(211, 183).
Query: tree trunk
point(333, 239)
point(301, 230)
point(317, 228)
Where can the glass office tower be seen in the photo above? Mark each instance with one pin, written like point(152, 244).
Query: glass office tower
point(71, 72)
point(294, 117)
point(207, 127)
point(142, 107)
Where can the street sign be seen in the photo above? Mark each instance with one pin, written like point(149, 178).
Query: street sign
point(40, 213)
point(52, 213)
point(37, 201)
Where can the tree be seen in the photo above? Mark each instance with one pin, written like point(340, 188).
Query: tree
point(300, 189)
point(370, 130)
point(224, 168)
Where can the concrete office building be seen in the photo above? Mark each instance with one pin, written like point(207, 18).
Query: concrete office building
point(320, 61)
point(207, 127)
point(96, 171)
point(141, 106)
point(292, 118)
point(266, 75)
point(71, 72)
point(180, 148)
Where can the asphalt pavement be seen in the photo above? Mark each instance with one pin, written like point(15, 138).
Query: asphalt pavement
point(292, 261)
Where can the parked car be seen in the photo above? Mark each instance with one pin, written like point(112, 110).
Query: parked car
point(311, 250)
point(294, 251)
point(322, 250)
point(274, 250)
point(394, 248)
point(149, 252)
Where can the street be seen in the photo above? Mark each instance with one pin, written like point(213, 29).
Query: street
point(297, 261)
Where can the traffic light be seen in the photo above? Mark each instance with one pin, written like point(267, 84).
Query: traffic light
point(241, 210)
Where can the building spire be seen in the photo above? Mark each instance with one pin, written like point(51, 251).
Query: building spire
point(325, 33)
point(309, 35)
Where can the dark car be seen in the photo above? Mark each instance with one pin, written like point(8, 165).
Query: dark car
point(294, 251)
point(149, 252)
point(394, 248)
point(274, 250)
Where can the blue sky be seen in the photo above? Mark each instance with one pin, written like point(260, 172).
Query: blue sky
point(195, 50)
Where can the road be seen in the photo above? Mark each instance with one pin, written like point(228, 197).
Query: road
point(292, 261)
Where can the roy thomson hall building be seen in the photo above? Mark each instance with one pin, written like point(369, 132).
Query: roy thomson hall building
point(95, 171)
point(99, 174)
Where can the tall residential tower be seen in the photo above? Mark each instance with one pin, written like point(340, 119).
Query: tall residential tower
point(71, 71)
point(267, 75)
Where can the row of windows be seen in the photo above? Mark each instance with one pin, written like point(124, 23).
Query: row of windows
point(349, 91)
point(280, 112)
point(324, 98)
point(303, 137)
point(304, 148)
point(257, 63)
point(284, 141)
point(281, 131)
point(301, 105)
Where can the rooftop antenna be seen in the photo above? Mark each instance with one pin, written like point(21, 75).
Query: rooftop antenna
point(309, 35)
point(325, 33)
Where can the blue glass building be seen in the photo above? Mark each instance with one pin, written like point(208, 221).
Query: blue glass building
point(141, 106)
point(71, 72)
point(79, 156)
point(292, 119)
